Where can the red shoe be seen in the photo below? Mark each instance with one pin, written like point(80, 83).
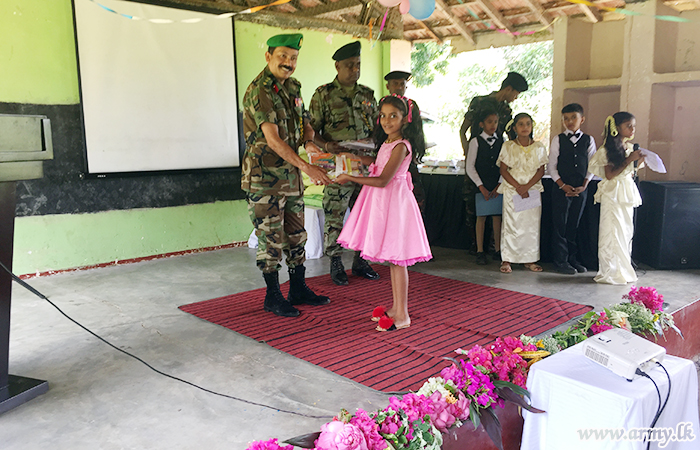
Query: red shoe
point(378, 313)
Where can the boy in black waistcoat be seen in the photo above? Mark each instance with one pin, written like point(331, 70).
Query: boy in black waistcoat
point(568, 166)
point(484, 147)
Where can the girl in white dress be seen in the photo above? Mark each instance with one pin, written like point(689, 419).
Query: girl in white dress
point(522, 161)
point(618, 196)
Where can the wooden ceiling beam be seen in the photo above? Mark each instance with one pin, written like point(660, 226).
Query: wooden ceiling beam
point(430, 31)
point(593, 14)
point(496, 16)
point(456, 21)
point(329, 8)
point(538, 11)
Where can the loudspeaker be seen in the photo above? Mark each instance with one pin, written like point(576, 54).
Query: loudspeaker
point(667, 230)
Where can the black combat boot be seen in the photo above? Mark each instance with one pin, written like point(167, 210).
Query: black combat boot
point(274, 300)
point(361, 268)
point(299, 292)
point(338, 274)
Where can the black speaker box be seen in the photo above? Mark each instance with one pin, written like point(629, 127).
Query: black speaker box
point(667, 230)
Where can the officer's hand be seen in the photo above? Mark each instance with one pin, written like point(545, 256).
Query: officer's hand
point(312, 148)
point(317, 174)
point(334, 147)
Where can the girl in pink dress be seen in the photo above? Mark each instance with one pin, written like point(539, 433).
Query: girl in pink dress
point(385, 224)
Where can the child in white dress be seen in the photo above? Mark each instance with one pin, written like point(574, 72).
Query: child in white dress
point(522, 161)
point(618, 196)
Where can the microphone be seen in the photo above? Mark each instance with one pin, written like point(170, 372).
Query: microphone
point(635, 147)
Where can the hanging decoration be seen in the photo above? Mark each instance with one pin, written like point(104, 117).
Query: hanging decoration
point(421, 9)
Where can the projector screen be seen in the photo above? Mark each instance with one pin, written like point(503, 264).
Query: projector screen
point(158, 89)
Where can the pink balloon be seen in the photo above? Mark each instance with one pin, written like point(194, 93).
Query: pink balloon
point(389, 3)
point(404, 6)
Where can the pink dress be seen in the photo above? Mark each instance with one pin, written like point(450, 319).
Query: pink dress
point(385, 224)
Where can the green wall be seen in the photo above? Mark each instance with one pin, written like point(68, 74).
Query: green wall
point(38, 66)
point(37, 52)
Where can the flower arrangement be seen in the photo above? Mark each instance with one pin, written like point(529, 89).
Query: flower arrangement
point(470, 388)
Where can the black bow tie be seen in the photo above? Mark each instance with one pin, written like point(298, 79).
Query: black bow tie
point(575, 135)
point(490, 139)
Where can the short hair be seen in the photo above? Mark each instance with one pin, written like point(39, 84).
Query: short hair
point(516, 81)
point(572, 108)
point(483, 114)
point(270, 50)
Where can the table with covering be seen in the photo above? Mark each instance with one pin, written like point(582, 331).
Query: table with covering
point(579, 395)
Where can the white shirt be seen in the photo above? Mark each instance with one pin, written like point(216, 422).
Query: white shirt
point(554, 154)
point(471, 158)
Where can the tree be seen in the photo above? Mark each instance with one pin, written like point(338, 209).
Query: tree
point(427, 59)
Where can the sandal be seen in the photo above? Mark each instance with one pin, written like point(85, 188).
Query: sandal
point(505, 267)
point(386, 323)
point(378, 313)
point(534, 267)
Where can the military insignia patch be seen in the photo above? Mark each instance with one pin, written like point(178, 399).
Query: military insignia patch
point(298, 102)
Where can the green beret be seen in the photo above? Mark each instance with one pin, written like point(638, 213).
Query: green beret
point(348, 51)
point(516, 81)
point(286, 40)
point(398, 75)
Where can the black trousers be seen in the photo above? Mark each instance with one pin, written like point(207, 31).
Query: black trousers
point(566, 215)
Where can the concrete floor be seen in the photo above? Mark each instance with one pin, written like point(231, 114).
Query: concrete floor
point(101, 399)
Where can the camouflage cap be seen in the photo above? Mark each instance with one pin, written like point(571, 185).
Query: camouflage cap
point(348, 51)
point(286, 40)
point(398, 75)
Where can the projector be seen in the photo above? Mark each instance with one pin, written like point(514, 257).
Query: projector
point(623, 352)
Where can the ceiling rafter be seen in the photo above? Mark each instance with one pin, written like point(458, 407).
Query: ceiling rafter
point(539, 12)
point(456, 21)
point(496, 16)
point(430, 31)
point(592, 13)
point(329, 8)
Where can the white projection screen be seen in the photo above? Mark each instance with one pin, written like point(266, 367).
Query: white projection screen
point(158, 94)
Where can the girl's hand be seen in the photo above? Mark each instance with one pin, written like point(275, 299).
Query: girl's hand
point(484, 192)
point(636, 155)
point(522, 190)
point(343, 178)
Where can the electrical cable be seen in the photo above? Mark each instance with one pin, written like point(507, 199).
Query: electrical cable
point(43, 297)
point(660, 408)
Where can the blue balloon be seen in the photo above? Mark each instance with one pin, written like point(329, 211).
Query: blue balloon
point(422, 9)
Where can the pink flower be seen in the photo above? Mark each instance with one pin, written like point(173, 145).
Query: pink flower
point(647, 296)
point(441, 417)
point(460, 409)
point(369, 429)
point(268, 445)
point(601, 324)
point(337, 435)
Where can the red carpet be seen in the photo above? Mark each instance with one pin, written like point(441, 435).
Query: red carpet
point(445, 315)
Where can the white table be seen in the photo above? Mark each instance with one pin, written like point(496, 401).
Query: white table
point(579, 394)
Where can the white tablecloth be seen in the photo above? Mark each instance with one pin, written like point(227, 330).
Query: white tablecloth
point(579, 394)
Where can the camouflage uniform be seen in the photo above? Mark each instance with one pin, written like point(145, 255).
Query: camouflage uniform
point(505, 113)
point(274, 186)
point(337, 116)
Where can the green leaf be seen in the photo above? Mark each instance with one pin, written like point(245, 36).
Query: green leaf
point(474, 415)
point(492, 426)
point(513, 387)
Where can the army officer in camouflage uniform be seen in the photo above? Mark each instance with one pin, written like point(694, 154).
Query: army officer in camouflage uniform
point(276, 125)
point(342, 111)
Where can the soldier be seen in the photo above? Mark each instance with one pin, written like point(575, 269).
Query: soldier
point(276, 125)
point(340, 111)
point(499, 101)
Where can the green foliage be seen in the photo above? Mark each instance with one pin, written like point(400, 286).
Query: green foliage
point(427, 59)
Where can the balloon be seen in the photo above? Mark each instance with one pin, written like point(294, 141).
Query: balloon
point(422, 9)
point(389, 3)
point(405, 5)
